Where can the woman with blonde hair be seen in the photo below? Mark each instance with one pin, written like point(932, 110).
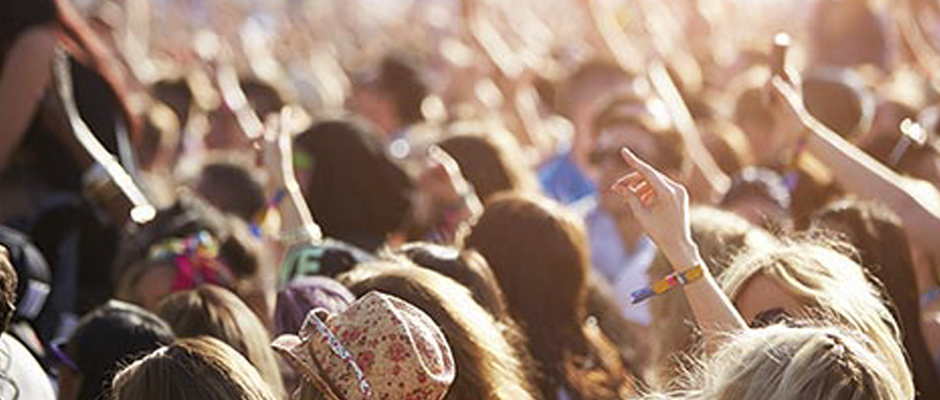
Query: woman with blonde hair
point(191, 369)
point(776, 362)
point(488, 365)
point(214, 311)
point(808, 279)
point(784, 363)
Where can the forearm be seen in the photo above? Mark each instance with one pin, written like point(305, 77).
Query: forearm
point(26, 74)
point(713, 311)
point(293, 210)
point(861, 174)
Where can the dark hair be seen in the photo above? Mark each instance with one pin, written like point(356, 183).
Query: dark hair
point(263, 97)
point(839, 99)
point(8, 283)
point(400, 79)
point(467, 267)
point(109, 336)
point(233, 185)
point(176, 94)
point(356, 192)
point(539, 254)
point(884, 251)
point(188, 216)
point(488, 165)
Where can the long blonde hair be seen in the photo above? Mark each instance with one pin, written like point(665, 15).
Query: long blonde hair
point(832, 286)
point(783, 363)
point(191, 369)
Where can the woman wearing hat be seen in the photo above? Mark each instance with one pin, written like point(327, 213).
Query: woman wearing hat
point(381, 347)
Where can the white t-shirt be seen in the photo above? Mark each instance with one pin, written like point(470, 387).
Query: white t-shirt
point(21, 376)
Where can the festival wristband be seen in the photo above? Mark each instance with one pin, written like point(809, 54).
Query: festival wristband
point(666, 284)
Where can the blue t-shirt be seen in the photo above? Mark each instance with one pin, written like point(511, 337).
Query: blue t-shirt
point(563, 181)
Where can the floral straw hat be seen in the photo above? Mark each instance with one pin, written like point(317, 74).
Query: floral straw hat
point(381, 347)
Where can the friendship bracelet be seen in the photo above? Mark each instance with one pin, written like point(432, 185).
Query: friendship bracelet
point(255, 225)
point(666, 284)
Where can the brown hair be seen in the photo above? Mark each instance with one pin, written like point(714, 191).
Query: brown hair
point(488, 365)
point(467, 267)
point(214, 311)
point(201, 368)
point(490, 164)
point(539, 254)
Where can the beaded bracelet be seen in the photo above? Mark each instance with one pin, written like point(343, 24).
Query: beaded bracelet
point(668, 283)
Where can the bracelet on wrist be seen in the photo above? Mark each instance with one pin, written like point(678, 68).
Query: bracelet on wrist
point(673, 280)
point(255, 225)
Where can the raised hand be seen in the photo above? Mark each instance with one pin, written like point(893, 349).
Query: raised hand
point(662, 208)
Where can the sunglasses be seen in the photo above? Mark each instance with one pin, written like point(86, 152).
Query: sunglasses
point(772, 316)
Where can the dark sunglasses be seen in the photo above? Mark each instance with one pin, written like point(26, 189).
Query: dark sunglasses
point(770, 317)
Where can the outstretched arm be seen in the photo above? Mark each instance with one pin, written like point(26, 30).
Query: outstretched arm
point(297, 224)
point(856, 171)
point(662, 208)
point(25, 76)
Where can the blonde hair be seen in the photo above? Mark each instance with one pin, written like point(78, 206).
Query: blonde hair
point(833, 287)
point(191, 369)
point(214, 311)
point(783, 363)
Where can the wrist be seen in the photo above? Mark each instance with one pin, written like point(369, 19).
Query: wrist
point(683, 254)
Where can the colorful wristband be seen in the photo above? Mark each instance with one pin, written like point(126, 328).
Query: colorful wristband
point(255, 225)
point(668, 283)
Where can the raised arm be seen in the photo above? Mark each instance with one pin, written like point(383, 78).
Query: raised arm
point(25, 76)
point(662, 208)
point(297, 224)
point(856, 171)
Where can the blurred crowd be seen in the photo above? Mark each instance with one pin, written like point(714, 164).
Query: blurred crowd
point(469, 199)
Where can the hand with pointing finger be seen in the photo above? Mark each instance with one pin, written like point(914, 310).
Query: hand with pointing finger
point(662, 207)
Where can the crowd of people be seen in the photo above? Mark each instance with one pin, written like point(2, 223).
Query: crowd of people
point(469, 199)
